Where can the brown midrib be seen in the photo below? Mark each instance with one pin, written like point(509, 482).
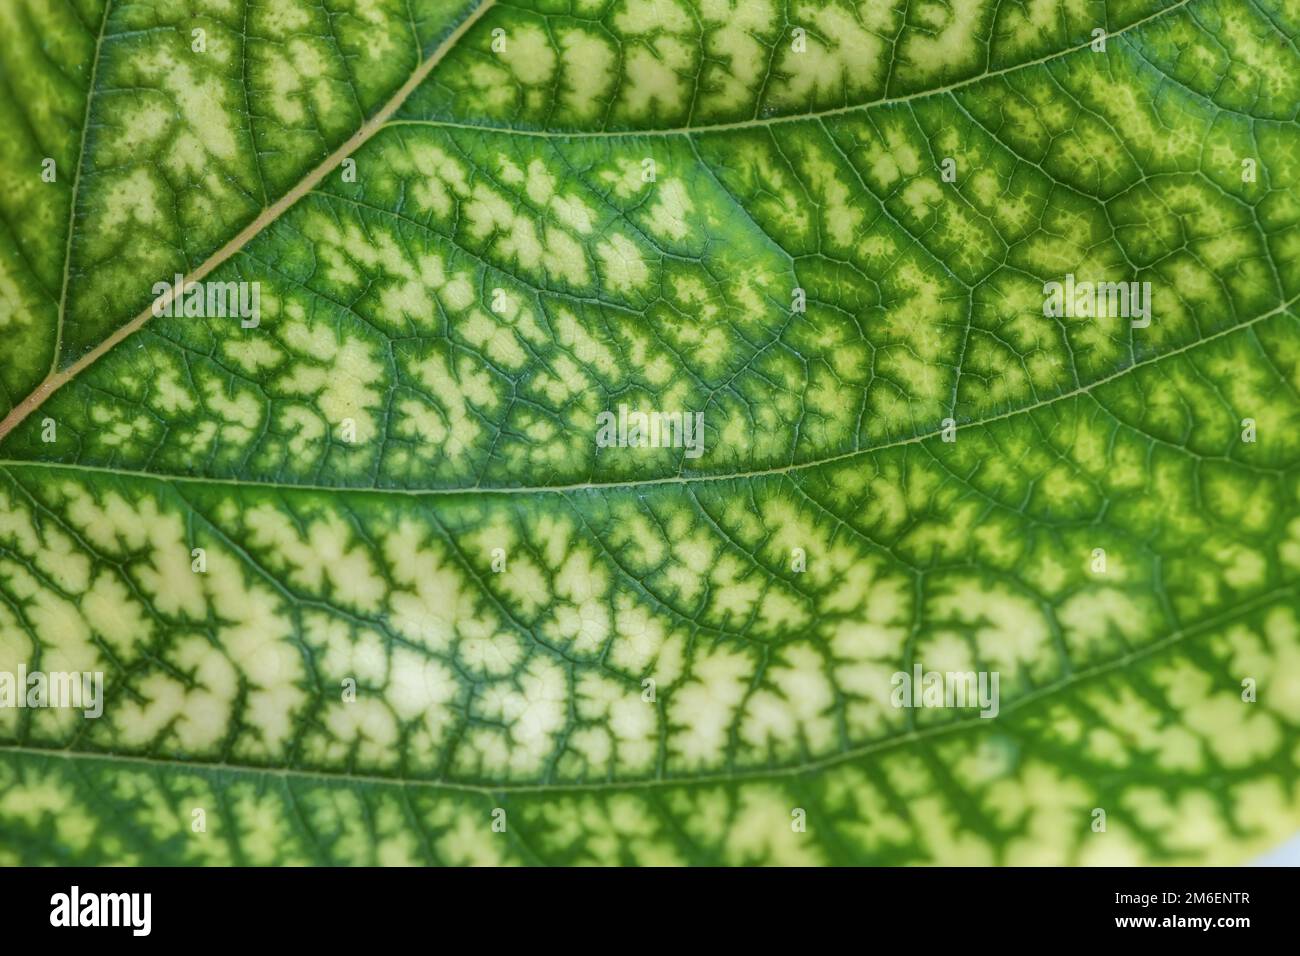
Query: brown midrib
point(58, 378)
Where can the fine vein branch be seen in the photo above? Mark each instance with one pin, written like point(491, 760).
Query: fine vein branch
point(684, 479)
point(769, 121)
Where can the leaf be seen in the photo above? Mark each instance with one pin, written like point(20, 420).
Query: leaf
point(568, 652)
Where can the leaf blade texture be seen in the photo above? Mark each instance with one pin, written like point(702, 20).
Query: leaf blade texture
point(474, 229)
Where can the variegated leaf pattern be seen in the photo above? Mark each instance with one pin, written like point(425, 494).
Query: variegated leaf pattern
point(475, 228)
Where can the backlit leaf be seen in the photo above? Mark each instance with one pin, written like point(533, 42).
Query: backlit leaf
point(367, 585)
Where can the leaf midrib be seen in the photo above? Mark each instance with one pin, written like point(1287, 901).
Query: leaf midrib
point(383, 118)
point(58, 378)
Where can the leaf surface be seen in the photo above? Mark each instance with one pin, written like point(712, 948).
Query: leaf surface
point(682, 653)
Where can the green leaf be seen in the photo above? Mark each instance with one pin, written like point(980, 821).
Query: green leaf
point(475, 229)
